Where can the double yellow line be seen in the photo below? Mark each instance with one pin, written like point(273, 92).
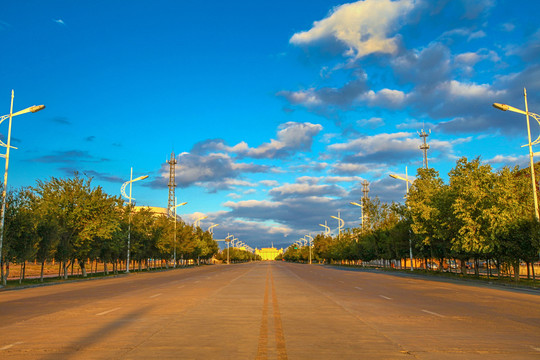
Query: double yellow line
point(262, 351)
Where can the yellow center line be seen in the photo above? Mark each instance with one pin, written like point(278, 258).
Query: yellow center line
point(280, 338)
point(262, 353)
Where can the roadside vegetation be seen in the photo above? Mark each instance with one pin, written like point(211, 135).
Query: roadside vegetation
point(481, 221)
point(75, 224)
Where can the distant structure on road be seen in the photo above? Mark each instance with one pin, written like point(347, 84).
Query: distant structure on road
point(270, 253)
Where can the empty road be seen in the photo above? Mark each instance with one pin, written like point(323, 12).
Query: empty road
point(268, 310)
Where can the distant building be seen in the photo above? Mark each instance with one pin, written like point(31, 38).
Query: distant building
point(270, 253)
point(156, 210)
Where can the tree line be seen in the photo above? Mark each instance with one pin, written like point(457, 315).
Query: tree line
point(481, 215)
point(70, 221)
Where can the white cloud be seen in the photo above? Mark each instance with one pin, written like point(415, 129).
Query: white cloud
point(458, 89)
point(269, 183)
point(306, 189)
point(292, 136)
point(252, 204)
point(381, 142)
point(386, 97)
point(234, 196)
point(372, 123)
point(476, 35)
point(59, 21)
point(364, 27)
point(350, 168)
point(509, 160)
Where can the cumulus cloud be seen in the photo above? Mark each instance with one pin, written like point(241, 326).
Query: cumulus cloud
point(346, 168)
point(214, 171)
point(304, 190)
point(291, 137)
point(362, 28)
point(269, 183)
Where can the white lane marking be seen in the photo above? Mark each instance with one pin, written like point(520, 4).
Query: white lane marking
point(108, 311)
point(156, 295)
point(359, 288)
point(181, 286)
point(198, 281)
point(343, 282)
point(385, 297)
point(433, 313)
point(10, 345)
point(535, 348)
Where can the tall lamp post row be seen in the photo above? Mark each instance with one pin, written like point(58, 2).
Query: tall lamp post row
point(32, 109)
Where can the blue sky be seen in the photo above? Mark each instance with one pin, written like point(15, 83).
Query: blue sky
point(277, 110)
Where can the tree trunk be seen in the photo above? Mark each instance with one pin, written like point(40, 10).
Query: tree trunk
point(21, 273)
point(2, 279)
point(516, 271)
point(463, 267)
point(476, 267)
point(82, 264)
point(41, 274)
point(528, 270)
point(532, 268)
point(65, 266)
point(105, 269)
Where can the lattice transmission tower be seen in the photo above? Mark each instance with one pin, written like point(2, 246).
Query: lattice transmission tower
point(172, 185)
point(424, 147)
point(365, 189)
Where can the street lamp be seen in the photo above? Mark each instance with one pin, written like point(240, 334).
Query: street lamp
point(198, 221)
point(361, 207)
point(211, 228)
point(341, 223)
point(326, 228)
point(407, 181)
point(310, 243)
point(228, 241)
point(123, 191)
point(504, 107)
point(33, 109)
point(175, 206)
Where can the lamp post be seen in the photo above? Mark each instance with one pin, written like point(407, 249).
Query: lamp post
point(504, 107)
point(211, 228)
point(33, 109)
point(198, 221)
point(310, 243)
point(362, 217)
point(228, 241)
point(407, 181)
point(123, 191)
point(176, 206)
point(326, 228)
point(341, 223)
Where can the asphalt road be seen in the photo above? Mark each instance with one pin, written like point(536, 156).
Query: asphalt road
point(268, 310)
